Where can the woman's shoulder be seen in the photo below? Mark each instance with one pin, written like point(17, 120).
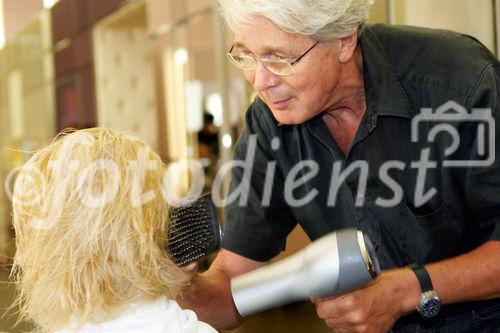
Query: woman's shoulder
point(161, 316)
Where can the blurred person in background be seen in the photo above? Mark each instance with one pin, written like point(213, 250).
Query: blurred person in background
point(208, 137)
point(208, 147)
point(91, 240)
point(333, 89)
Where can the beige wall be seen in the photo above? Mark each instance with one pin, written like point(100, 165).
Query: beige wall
point(28, 82)
point(379, 12)
point(473, 17)
point(27, 102)
point(20, 13)
point(125, 84)
point(4, 224)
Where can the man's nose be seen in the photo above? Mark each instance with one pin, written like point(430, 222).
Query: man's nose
point(264, 78)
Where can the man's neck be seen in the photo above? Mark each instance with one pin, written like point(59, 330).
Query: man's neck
point(344, 116)
point(350, 93)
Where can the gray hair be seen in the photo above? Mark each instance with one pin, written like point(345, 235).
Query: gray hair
point(323, 20)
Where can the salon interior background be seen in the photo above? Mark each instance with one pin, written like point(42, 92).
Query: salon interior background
point(153, 67)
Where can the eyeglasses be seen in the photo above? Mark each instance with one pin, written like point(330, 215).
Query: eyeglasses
point(278, 66)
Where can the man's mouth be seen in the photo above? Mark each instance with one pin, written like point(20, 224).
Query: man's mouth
point(280, 104)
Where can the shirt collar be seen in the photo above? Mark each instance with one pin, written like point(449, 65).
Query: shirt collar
point(383, 89)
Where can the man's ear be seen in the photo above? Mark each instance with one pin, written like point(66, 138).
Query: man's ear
point(347, 46)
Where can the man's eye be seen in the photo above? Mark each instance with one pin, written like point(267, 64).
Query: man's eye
point(244, 61)
point(240, 59)
point(245, 53)
point(274, 57)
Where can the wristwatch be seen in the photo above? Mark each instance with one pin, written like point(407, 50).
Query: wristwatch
point(429, 300)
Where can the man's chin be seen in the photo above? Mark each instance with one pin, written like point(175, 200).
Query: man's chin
point(287, 112)
point(287, 117)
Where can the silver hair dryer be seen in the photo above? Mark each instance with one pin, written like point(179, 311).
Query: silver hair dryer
point(335, 263)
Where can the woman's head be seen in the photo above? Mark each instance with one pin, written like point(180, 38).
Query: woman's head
point(91, 229)
point(323, 20)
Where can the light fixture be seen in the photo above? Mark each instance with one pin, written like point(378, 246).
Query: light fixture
point(181, 56)
point(227, 140)
point(213, 105)
point(47, 4)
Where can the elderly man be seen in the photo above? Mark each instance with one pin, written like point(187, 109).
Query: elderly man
point(345, 97)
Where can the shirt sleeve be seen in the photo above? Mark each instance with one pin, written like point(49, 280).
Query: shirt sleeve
point(257, 219)
point(483, 183)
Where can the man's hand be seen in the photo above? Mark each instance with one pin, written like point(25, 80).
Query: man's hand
point(468, 277)
point(190, 269)
point(209, 294)
point(374, 308)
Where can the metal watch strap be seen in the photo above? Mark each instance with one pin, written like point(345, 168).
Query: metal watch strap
point(423, 277)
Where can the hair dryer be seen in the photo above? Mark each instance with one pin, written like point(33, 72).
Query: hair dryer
point(335, 263)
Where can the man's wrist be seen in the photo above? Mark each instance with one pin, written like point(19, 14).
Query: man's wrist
point(404, 290)
point(411, 291)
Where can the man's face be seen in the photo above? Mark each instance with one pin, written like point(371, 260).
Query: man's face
point(298, 97)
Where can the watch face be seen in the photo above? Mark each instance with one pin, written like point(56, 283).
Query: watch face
point(430, 307)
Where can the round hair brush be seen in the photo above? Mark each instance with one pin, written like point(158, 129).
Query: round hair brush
point(194, 230)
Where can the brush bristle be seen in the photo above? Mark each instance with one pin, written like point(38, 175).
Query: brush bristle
point(194, 230)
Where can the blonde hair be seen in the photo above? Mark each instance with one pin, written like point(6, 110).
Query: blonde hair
point(83, 256)
point(323, 20)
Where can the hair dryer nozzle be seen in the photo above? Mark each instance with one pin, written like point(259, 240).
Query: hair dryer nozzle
point(332, 264)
